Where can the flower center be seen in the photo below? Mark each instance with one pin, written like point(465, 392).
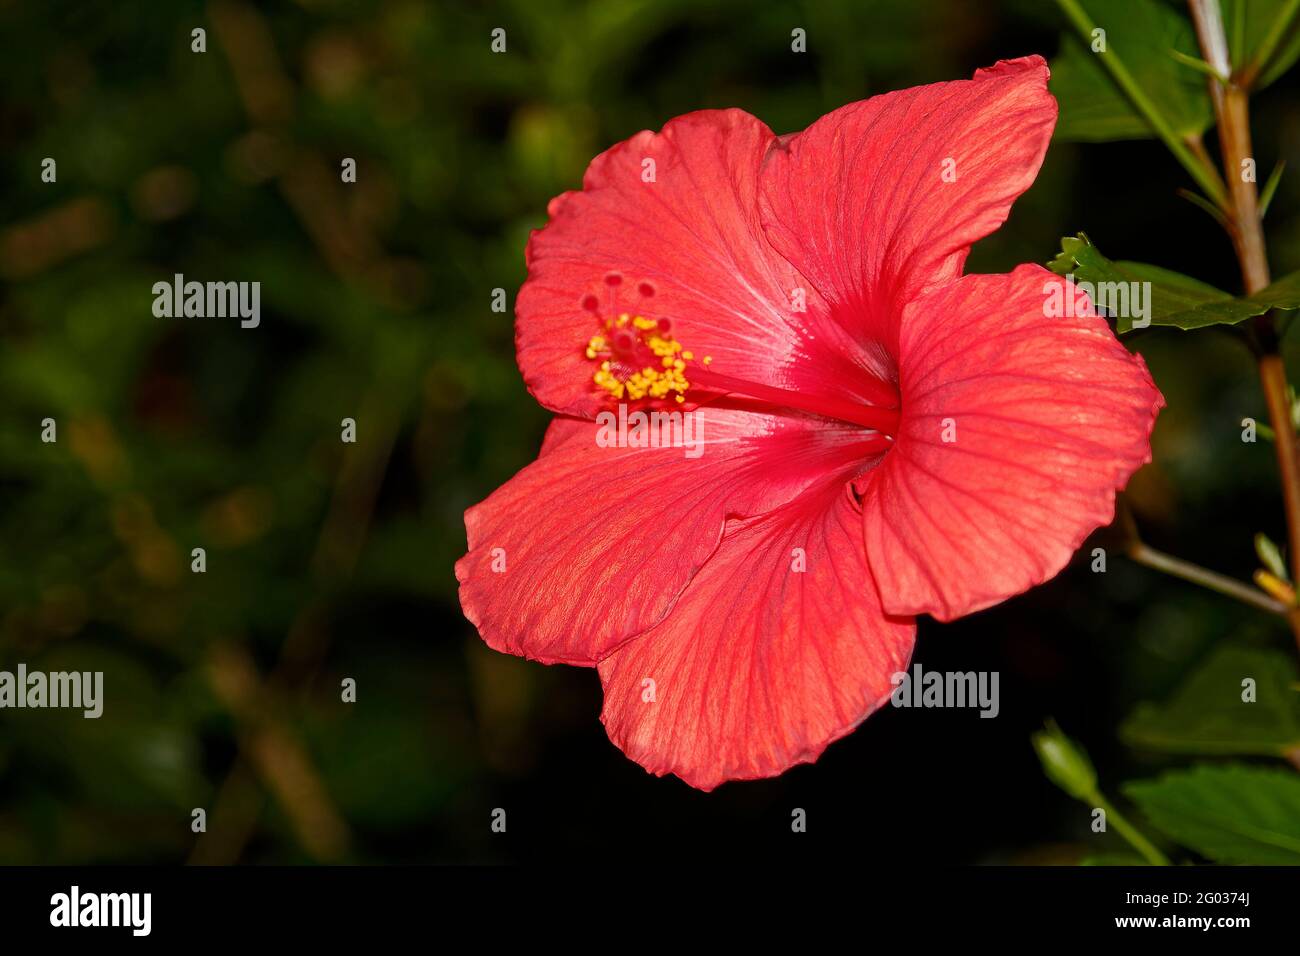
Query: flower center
point(639, 358)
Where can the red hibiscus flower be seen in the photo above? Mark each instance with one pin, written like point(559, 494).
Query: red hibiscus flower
point(876, 435)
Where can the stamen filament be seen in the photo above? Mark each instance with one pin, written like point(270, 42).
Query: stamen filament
point(884, 420)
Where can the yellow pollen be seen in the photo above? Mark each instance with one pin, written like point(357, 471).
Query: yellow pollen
point(631, 339)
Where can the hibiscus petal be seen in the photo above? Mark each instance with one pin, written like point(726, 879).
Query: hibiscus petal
point(859, 203)
point(589, 545)
point(760, 666)
point(1017, 430)
point(687, 246)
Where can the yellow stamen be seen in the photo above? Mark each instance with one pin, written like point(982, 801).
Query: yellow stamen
point(650, 381)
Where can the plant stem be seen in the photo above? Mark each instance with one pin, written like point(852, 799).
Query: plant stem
point(1203, 173)
point(1272, 377)
point(1243, 213)
point(1131, 833)
point(1247, 232)
point(1167, 563)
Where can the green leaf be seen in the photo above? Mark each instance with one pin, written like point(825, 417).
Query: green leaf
point(1248, 22)
point(1207, 715)
point(1230, 814)
point(1142, 33)
point(1177, 300)
point(1270, 187)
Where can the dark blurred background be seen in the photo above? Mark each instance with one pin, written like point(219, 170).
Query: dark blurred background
point(328, 561)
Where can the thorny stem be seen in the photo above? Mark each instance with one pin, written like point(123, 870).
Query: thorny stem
point(1233, 114)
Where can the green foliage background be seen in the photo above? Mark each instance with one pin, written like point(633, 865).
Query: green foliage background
point(327, 561)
